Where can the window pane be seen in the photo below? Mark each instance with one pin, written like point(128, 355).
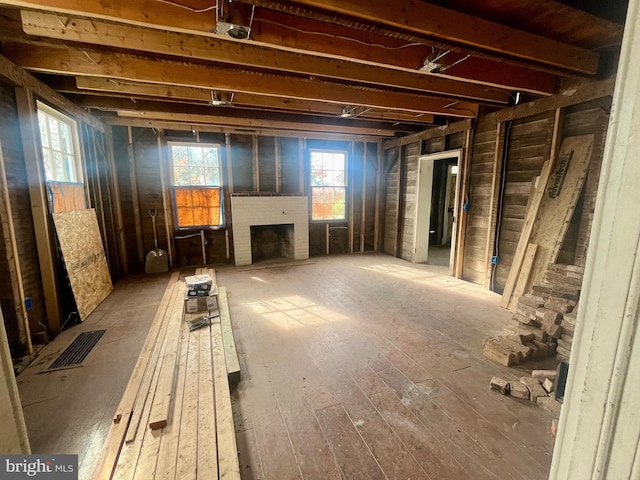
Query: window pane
point(57, 137)
point(195, 156)
point(327, 161)
point(328, 182)
point(180, 156)
point(44, 134)
point(65, 138)
point(46, 157)
point(316, 177)
point(197, 176)
point(212, 177)
point(210, 157)
point(316, 160)
point(181, 176)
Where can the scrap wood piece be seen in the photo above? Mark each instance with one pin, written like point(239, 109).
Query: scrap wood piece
point(559, 202)
point(228, 464)
point(525, 235)
point(523, 276)
point(168, 452)
point(153, 367)
point(230, 352)
point(186, 459)
point(133, 387)
point(84, 258)
point(207, 457)
point(162, 400)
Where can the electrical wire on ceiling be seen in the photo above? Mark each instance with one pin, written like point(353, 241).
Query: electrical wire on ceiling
point(369, 44)
point(187, 7)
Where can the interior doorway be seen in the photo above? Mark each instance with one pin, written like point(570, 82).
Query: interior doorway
point(437, 208)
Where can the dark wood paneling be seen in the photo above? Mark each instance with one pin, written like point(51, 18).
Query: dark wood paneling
point(290, 165)
point(483, 152)
point(267, 163)
point(529, 144)
point(242, 163)
point(21, 209)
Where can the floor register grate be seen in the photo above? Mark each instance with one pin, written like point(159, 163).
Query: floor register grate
point(77, 352)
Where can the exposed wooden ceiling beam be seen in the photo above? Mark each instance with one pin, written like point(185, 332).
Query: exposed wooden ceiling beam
point(450, 26)
point(278, 28)
point(136, 12)
point(96, 85)
point(248, 54)
point(76, 61)
point(253, 123)
point(16, 76)
point(201, 127)
point(234, 116)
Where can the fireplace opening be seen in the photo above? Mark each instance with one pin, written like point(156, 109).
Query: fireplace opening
point(270, 242)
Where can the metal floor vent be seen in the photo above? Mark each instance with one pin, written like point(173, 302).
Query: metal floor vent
point(78, 351)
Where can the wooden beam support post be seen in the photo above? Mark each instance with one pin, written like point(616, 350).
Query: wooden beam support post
point(115, 185)
point(13, 257)
point(166, 196)
point(363, 199)
point(28, 114)
point(14, 437)
point(134, 195)
point(494, 202)
point(376, 224)
point(352, 178)
point(465, 176)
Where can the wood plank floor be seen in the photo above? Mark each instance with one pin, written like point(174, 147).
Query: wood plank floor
point(360, 366)
point(366, 366)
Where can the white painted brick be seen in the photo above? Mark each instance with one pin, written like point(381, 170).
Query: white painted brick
point(252, 211)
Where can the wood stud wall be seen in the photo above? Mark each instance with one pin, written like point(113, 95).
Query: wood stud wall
point(252, 165)
point(496, 211)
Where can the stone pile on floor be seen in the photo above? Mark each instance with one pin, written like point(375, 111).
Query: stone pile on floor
point(544, 322)
point(538, 388)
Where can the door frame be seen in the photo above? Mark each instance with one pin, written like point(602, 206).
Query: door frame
point(422, 218)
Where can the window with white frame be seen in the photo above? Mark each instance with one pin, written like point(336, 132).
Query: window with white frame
point(328, 184)
point(60, 146)
point(197, 184)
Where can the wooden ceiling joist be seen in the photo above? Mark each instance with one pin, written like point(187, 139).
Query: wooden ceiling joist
point(248, 54)
point(136, 12)
point(202, 127)
point(461, 29)
point(254, 123)
point(77, 61)
point(118, 104)
point(123, 88)
point(312, 35)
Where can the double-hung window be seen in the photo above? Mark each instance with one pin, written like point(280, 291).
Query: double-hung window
point(197, 184)
point(61, 159)
point(328, 185)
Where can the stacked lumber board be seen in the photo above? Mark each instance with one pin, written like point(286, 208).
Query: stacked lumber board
point(175, 418)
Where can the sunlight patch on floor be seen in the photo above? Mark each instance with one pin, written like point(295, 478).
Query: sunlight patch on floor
point(294, 312)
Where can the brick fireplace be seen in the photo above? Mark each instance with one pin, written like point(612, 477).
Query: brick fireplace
point(291, 212)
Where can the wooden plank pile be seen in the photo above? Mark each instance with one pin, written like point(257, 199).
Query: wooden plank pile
point(544, 321)
point(175, 418)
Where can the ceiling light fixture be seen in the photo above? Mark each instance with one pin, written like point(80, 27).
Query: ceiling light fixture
point(347, 112)
point(216, 100)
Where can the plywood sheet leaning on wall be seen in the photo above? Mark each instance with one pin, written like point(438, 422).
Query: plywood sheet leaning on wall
point(83, 255)
point(557, 206)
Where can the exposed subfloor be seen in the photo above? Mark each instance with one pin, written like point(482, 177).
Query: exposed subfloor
point(355, 366)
